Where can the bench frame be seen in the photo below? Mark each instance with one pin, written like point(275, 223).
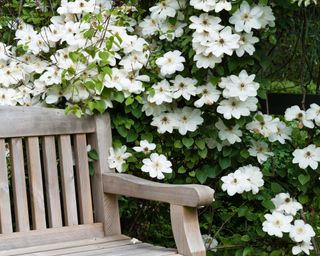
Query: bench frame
point(105, 184)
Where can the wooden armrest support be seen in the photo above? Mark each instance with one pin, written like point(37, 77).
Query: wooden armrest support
point(184, 195)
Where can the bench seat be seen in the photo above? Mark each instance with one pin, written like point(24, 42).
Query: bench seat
point(109, 246)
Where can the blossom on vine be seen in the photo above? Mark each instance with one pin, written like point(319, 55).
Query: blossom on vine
point(260, 150)
point(263, 124)
point(254, 177)
point(302, 247)
point(230, 133)
point(145, 147)
point(8, 96)
point(246, 44)
point(295, 113)
point(282, 134)
point(164, 9)
point(234, 107)
point(170, 62)
point(313, 113)
point(285, 204)
point(184, 87)
point(246, 18)
point(188, 119)
point(165, 122)
point(117, 158)
point(241, 86)
point(276, 224)
point(162, 93)
point(308, 156)
point(156, 166)
point(205, 23)
point(301, 232)
point(209, 95)
point(235, 183)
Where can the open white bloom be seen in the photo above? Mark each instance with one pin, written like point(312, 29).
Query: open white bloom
point(188, 119)
point(206, 61)
point(164, 122)
point(234, 107)
point(162, 93)
point(232, 133)
point(223, 5)
point(205, 23)
point(241, 86)
point(209, 95)
point(117, 158)
point(204, 5)
point(267, 18)
point(295, 113)
point(164, 9)
point(260, 150)
point(254, 177)
point(156, 165)
point(8, 96)
point(210, 243)
point(284, 203)
point(301, 231)
point(265, 126)
point(276, 224)
point(246, 18)
point(283, 133)
point(170, 62)
point(302, 247)
point(308, 156)
point(184, 86)
point(246, 43)
point(223, 42)
point(236, 182)
point(313, 113)
point(145, 147)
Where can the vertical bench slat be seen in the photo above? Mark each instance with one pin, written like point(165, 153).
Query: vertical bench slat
point(5, 209)
point(68, 182)
point(35, 183)
point(51, 182)
point(19, 185)
point(83, 179)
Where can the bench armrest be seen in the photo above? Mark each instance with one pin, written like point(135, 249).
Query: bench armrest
point(184, 195)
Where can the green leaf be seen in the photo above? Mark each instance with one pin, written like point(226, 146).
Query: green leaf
point(303, 179)
point(122, 131)
point(200, 144)
point(245, 238)
point(268, 204)
point(182, 170)
point(242, 211)
point(129, 101)
point(224, 163)
point(303, 199)
point(93, 154)
point(276, 188)
point(178, 144)
point(188, 142)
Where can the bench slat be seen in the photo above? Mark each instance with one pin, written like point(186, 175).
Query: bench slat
point(50, 236)
point(37, 121)
point(5, 208)
point(51, 182)
point(83, 179)
point(35, 183)
point(68, 181)
point(19, 185)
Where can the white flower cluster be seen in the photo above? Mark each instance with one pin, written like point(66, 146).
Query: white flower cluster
point(155, 165)
point(245, 179)
point(280, 221)
point(157, 24)
point(211, 40)
point(304, 118)
point(308, 156)
point(29, 78)
point(271, 128)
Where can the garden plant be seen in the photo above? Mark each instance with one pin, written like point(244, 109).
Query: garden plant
point(183, 82)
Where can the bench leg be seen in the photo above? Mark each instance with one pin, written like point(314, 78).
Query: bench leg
point(186, 231)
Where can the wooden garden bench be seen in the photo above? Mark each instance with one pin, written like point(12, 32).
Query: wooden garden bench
point(49, 205)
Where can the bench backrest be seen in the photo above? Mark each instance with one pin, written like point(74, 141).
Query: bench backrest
point(44, 171)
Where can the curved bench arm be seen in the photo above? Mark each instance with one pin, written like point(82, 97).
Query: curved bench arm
point(183, 200)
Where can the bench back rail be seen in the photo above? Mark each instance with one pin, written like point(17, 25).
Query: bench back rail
point(44, 173)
